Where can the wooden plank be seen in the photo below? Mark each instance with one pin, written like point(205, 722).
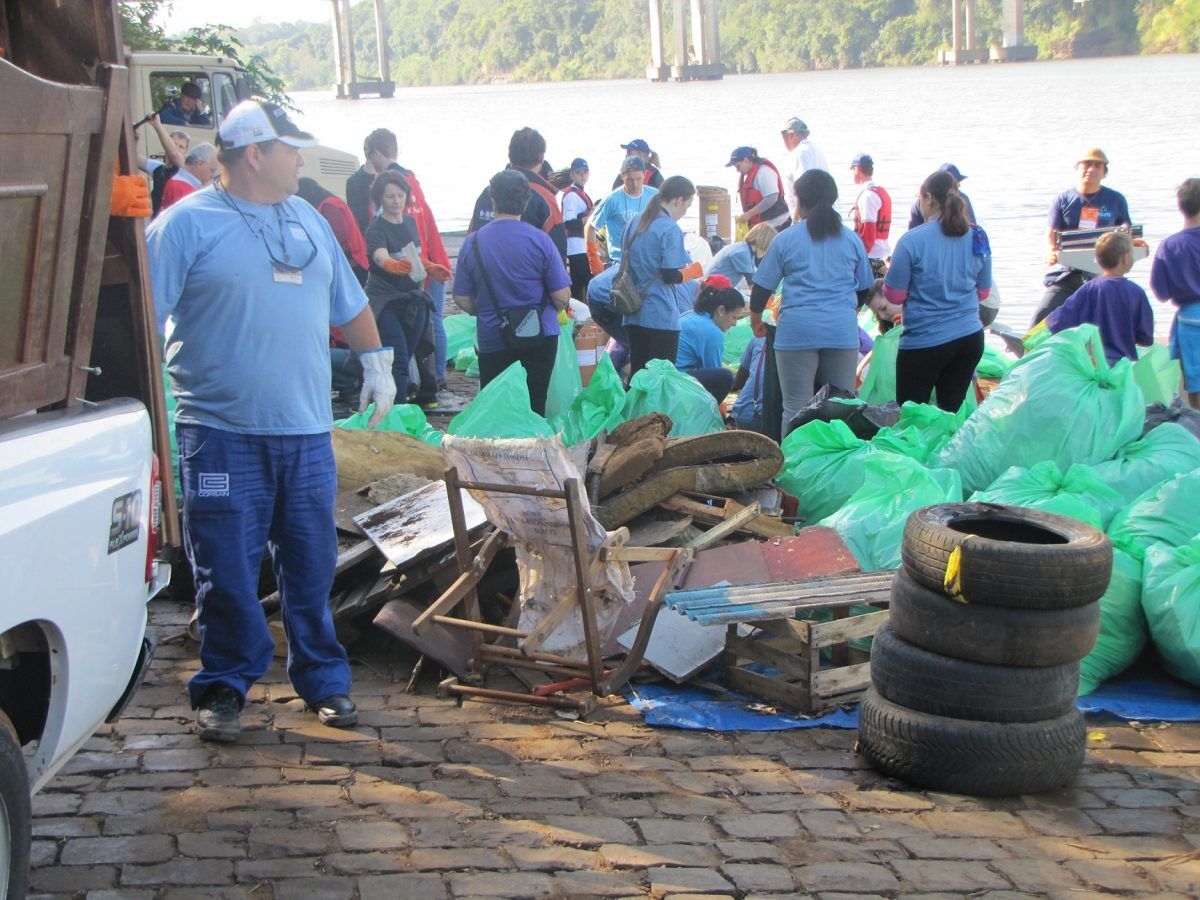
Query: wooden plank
point(721, 508)
point(794, 628)
point(790, 695)
point(787, 662)
point(731, 524)
point(842, 680)
point(825, 634)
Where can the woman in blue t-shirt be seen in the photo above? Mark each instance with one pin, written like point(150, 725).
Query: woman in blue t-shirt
point(660, 266)
point(824, 269)
point(740, 259)
point(939, 273)
point(702, 336)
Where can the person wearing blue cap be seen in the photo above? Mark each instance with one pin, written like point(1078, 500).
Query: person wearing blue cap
point(872, 214)
point(916, 217)
point(576, 208)
point(616, 211)
point(760, 188)
point(640, 149)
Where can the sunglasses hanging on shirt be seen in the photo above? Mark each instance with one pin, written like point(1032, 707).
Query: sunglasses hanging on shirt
point(285, 269)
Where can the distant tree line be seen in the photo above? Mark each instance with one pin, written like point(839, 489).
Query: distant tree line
point(478, 41)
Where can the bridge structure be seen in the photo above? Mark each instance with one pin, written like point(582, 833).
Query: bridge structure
point(696, 60)
point(963, 48)
point(348, 85)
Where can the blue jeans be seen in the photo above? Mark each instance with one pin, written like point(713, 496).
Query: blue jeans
point(437, 293)
point(243, 494)
point(401, 324)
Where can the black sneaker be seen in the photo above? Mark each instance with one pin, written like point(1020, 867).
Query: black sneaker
point(337, 711)
point(217, 715)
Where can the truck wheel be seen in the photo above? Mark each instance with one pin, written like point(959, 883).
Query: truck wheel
point(1006, 555)
point(991, 634)
point(942, 686)
point(15, 815)
point(980, 759)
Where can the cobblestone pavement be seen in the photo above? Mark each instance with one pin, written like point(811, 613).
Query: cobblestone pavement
point(428, 800)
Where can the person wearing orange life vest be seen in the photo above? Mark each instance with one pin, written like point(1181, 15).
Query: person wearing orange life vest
point(760, 188)
point(872, 214)
point(577, 206)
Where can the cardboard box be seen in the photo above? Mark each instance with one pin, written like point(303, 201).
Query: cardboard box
point(714, 212)
point(590, 339)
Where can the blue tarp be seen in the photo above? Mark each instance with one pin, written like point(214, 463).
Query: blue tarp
point(1157, 698)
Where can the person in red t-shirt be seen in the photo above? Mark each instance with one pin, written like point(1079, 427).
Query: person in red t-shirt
point(199, 169)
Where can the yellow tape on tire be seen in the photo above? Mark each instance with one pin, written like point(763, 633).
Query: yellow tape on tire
point(952, 581)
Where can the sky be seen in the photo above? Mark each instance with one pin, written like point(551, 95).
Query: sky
point(187, 14)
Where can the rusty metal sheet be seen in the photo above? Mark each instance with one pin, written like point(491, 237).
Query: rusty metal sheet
point(417, 524)
point(816, 550)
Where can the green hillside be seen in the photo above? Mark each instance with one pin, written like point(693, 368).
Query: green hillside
point(473, 41)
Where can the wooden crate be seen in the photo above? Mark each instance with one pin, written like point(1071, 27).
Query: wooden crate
point(791, 648)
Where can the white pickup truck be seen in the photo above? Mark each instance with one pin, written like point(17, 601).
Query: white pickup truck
point(84, 450)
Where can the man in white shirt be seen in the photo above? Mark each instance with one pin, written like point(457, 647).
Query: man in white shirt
point(872, 213)
point(803, 155)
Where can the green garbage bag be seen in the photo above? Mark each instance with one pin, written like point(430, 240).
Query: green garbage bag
point(823, 464)
point(1062, 402)
point(872, 521)
point(737, 339)
point(660, 387)
point(1079, 492)
point(467, 359)
point(597, 408)
point(1123, 630)
point(1166, 451)
point(460, 334)
point(501, 410)
point(920, 432)
point(406, 417)
point(1157, 375)
point(1171, 601)
point(171, 405)
point(879, 385)
point(565, 381)
point(1168, 514)
point(994, 363)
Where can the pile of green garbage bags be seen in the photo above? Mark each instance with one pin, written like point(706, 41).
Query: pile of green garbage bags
point(1061, 432)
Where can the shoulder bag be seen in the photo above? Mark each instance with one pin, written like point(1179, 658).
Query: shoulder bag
point(520, 326)
point(625, 296)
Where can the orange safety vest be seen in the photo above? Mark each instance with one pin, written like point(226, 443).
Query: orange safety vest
point(751, 197)
point(883, 224)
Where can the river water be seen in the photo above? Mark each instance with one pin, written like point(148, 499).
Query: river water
point(1015, 131)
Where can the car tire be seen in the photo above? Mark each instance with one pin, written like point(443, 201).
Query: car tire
point(981, 759)
point(1007, 556)
point(991, 634)
point(15, 814)
point(943, 686)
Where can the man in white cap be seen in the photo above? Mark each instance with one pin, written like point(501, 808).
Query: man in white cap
point(803, 155)
point(247, 280)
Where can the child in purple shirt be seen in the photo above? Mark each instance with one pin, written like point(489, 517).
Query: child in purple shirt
point(1115, 305)
point(1175, 276)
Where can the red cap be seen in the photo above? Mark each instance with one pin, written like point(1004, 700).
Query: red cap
point(720, 282)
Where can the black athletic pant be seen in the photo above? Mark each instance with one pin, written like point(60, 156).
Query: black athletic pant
point(538, 363)
point(947, 367)
point(646, 344)
point(581, 275)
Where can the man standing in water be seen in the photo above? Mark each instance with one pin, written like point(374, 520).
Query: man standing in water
point(247, 281)
point(1087, 205)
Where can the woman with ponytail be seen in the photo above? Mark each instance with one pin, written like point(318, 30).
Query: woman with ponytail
point(702, 335)
point(940, 272)
point(824, 270)
point(660, 267)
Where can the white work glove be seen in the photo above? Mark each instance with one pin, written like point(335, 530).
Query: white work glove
point(378, 384)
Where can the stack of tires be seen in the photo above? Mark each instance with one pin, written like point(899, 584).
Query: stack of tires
point(975, 676)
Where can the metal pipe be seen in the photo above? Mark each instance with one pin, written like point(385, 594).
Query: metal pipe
point(511, 697)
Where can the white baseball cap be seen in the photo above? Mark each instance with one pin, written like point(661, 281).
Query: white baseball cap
point(255, 122)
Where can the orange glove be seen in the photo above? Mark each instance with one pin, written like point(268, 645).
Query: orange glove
point(130, 197)
point(437, 271)
point(595, 263)
point(757, 325)
point(397, 266)
point(692, 271)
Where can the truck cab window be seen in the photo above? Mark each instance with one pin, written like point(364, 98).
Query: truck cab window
point(182, 98)
point(226, 94)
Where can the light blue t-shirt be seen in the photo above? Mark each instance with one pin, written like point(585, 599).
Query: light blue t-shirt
point(749, 401)
point(248, 353)
point(942, 275)
point(820, 284)
point(734, 261)
point(701, 342)
point(616, 211)
point(660, 246)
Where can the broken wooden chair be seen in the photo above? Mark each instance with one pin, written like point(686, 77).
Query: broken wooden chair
point(574, 574)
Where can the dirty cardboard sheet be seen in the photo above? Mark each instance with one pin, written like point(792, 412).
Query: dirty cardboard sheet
point(416, 524)
point(1142, 698)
